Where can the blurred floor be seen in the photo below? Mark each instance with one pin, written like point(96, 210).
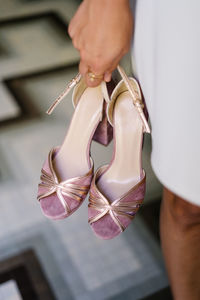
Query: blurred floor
point(37, 59)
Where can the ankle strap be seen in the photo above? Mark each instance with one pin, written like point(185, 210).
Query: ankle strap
point(68, 88)
point(137, 102)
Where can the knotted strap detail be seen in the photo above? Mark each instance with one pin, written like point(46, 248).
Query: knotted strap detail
point(68, 188)
point(100, 203)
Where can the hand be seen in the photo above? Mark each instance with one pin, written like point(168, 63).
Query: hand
point(102, 31)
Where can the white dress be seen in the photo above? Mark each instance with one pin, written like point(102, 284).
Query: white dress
point(166, 61)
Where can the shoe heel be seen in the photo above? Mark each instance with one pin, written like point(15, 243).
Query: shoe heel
point(104, 132)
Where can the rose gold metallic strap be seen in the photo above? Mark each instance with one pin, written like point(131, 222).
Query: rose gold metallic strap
point(69, 86)
point(66, 188)
point(137, 101)
point(115, 209)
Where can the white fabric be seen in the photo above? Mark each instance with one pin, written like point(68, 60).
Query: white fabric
point(166, 60)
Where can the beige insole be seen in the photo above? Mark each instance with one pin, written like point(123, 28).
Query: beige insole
point(72, 158)
point(126, 168)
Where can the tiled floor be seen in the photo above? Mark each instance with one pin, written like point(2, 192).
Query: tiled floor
point(9, 291)
point(37, 60)
point(21, 277)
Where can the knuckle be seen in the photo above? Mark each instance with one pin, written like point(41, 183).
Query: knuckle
point(83, 68)
point(70, 30)
point(75, 43)
point(98, 64)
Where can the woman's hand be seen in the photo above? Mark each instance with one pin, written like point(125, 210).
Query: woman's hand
point(102, 31)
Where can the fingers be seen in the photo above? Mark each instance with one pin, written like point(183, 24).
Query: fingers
point(75, 36)
point(72, 28)
point(100, 50)
point(107, 76)
point(98, 67)
point(84, 70)
point(92, 81)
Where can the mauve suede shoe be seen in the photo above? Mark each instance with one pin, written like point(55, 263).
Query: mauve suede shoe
point(108, 219)
point(117, 190)
point(67, 173)
point(59, 199)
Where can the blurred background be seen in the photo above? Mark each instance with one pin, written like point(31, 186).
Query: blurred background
point(40, 258)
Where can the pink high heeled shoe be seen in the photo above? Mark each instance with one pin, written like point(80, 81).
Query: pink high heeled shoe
point(117, 190)
point(67, 173)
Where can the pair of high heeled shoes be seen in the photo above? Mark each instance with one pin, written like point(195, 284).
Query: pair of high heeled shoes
point(117, 189)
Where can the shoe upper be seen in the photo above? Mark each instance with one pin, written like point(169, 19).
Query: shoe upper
point(108, 218)
point(58, 198)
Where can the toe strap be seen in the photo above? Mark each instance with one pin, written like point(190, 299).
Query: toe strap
point(101, 204)
point(75, 188)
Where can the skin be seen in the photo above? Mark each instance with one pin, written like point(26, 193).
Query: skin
point(179, 232)
point(102, 30)
point(100, 37)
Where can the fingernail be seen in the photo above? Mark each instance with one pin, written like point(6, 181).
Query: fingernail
point(107, 77)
